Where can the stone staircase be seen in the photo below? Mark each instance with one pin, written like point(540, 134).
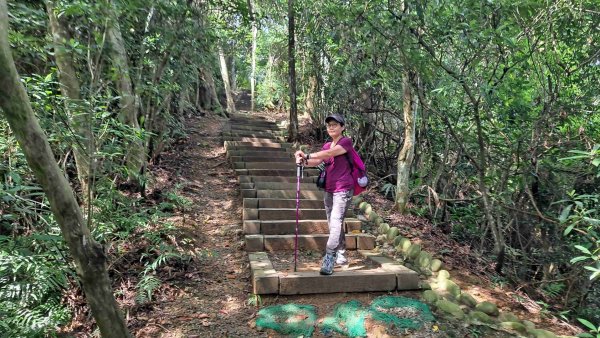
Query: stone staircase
point(266, 173)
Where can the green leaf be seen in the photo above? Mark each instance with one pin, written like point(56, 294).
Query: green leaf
point(579, 259)
point(586, 323)
point(583, 249)
point(568, 229)
point(565, 213)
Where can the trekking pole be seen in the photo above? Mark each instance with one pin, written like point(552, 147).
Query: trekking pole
point(299, 174)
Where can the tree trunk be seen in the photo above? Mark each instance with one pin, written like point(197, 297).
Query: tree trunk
point(80, 117)
point(207, 92)
point(309, 102)
point(134, 157)
point(405, 157)
point(253, 66)
point(225, 76)
point(89, 257)
point(293, 129)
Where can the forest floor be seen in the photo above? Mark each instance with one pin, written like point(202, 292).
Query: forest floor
point(211, 296)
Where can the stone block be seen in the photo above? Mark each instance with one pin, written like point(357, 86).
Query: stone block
point(254, 243)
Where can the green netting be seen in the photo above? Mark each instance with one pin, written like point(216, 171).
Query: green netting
point(404, 313)
point(291, 319)
point(347, 318)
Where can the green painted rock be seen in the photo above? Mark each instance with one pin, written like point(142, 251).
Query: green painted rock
point(357, 200)
point(393, 233)
point(480, 317)
point(466, 299)
point(414, 251)
point(363, 206)
point(435, 265)
point(424, 259)
point(368, 210)
point(373, 216)
point(516, 326)
point(539, 333)
point(507, 317)
point(488, 308)
point(397, 242)
point(379, 221)
point(450, 287)
point(450, 308)
point(430, 296)
point(529, 325)
point(443, 275)
point(405, 245)
point(384, 228)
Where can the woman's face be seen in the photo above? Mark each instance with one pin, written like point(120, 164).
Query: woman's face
point(334, 129)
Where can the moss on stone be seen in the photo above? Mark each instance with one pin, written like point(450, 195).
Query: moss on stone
point(450, 308)
point(466, 299)
point(392, 233)
point(436, 265)
point(480, 317)
point(488, 308)
point(430, 296)
point(516, 326)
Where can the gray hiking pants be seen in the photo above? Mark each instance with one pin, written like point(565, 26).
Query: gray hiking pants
point(336, 205)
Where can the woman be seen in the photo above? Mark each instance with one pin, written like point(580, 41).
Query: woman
point(338, 188)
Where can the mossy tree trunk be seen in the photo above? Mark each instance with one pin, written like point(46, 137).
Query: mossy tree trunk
point(226, 84)
point(405, 157)
point(134, 156)
point(79, 115)
point(88, 255)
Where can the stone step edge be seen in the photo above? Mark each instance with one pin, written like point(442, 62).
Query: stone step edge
point(257, 227)
point(389, 276)
point(260, 242)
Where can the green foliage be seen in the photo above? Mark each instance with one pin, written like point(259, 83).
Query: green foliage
point(593, 330)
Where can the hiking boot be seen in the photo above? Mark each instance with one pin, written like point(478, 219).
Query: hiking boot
point(340, 259)
point(327, 265)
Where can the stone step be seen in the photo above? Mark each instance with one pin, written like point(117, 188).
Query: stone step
point(261, 242)
point(387, 276)
point(263, 149)
point(273, 159)
point(288, 227)
point(257, 144)
point(277, 214)
point(249, 133)
point(278, 186)
point(286, 194)
point(250, 153)
point(290, 164)
point(243, 126)
point(255, 203)
point(250, 179)
point(249, 139)
point(308, 172)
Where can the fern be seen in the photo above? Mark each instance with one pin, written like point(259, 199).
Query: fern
point(146, 287)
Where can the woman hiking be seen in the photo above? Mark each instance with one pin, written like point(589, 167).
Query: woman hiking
point(338, 188)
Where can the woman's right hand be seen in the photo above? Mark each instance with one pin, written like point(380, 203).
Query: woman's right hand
point(300, 157)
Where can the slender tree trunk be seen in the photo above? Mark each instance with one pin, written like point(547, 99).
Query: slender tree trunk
point(225, 76)
point(309, 102)
point(253, 67)
point(80, 117)
point(89, 257)
point(232, 73)
point(293, 129)
point(405, 157)
point(487, 203)
point(134, 157)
